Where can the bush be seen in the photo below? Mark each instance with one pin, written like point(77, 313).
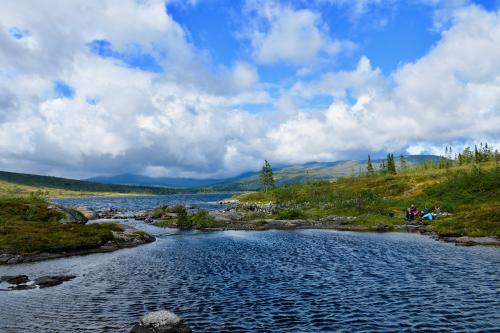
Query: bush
point(291, 214)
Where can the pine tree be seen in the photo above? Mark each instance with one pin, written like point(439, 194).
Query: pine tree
point(391, 166)
point(266, 177)
point(369, 166)
point(402, 162)
point(477, 157)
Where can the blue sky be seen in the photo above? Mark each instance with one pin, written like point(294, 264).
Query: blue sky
point(211, 88)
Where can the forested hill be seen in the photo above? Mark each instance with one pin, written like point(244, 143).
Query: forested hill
point(21, 183)
point(313, 171)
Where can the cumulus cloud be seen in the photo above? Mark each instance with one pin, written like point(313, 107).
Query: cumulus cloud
point(452, 94)
point(187, 120)
point(296, 36)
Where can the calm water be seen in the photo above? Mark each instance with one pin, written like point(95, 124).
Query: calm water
point(307, 281)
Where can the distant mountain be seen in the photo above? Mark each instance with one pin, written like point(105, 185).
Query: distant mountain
point(249, 181)
point(131, 179)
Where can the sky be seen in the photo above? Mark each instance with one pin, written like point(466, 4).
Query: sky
point(211, 88)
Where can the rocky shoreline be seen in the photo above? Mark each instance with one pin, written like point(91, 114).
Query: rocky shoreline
point(241, 216)
point(127, 238)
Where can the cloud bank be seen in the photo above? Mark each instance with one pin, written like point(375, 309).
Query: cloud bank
point(142, 98)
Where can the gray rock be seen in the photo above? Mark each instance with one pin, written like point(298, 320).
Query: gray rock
point(14, 279)
point(161, 322)
point(4, 258)
point(16, 259)
point(87, 212)
point(71, 216)
point(23, 287)
point(50, 281)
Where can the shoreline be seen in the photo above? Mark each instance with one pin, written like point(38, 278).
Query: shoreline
point(289, 225)
point(128, 238)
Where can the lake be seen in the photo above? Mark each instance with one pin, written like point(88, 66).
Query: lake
point(293, 281)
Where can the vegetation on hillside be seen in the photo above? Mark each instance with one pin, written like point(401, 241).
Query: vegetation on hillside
point(23, 184)
point(29, 226)
point(469, 189)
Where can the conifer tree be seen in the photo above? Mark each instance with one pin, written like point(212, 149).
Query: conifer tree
point(266, 177)
point(369, 166)
point(391, 166)
point(402, 162)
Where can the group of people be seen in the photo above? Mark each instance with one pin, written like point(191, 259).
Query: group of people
point(412, 213)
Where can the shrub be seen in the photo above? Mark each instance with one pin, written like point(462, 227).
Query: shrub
point(291, 214)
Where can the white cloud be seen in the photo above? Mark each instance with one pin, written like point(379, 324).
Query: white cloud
point(188, 120)
point(295, 36)
point(452, 94)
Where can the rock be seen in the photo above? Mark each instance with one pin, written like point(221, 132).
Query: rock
point(469, 241)
point(23, 287)
point(71, 215)
point(161, 322)
point(15, 279)
point(87, 212)
point(16, 259)
point(5, 257)
point(49, 281)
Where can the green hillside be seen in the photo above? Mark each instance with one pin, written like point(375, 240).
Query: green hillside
point(471, 193)
point(20, 184)
point(314, 171)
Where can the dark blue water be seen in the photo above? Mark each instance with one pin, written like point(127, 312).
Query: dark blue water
point(282, 281)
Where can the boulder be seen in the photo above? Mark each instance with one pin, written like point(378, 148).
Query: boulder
point(14, 279)
point(49, 281)
point(161, 322)
point(71, 215)
point(88, 213)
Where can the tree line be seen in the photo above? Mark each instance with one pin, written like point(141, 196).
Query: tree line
point(480, 154)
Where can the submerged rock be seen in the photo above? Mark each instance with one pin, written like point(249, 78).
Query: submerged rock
point(15, 279)
point(161, 322)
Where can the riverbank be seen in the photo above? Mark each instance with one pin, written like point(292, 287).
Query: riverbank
point(32, 229)
point(465, 199)
point(232, 220)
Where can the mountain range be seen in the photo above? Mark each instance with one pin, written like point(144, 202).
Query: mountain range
point(249, 181)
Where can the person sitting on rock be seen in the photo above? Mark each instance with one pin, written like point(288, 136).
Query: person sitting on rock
point(411, 212)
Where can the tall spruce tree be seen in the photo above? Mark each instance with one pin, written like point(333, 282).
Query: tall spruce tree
point(402, 162)
point(266, 177)
point(391, 166)
point(369, 165)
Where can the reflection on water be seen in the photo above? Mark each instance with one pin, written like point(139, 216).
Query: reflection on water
point(307, 280)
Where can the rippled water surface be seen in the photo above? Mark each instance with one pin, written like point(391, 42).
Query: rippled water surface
point(284, 281)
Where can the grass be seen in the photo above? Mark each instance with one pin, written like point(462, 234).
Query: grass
point(28, 226)
point(470, 193)
point(15, 184)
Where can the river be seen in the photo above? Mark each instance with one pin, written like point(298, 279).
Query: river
point(262, 281)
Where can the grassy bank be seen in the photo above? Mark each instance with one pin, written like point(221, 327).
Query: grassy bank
point(16, 184)
point(469, 192)
point(29, 226)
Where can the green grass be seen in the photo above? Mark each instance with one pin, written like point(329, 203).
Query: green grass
point(470, 193)
point(29, 226)
point(201, 220)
